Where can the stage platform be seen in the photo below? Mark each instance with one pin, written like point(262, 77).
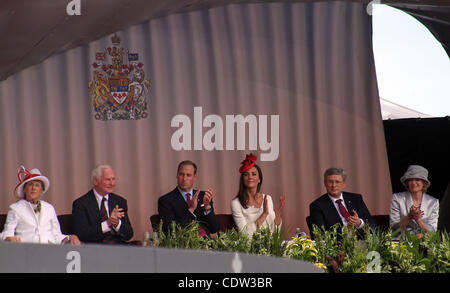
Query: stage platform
point(38, 258)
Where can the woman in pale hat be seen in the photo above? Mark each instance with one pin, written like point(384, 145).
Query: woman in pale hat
point(31, 219)
point(251, 208)
point(413, 210)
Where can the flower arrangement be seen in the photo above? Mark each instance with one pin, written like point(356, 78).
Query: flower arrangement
point(336, 250)
point(303, 248)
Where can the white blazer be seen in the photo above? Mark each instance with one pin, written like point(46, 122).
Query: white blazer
point(22, 222)
point(402, 202)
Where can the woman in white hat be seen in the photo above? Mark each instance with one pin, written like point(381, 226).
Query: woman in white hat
point(414, 211)
point(31, 219)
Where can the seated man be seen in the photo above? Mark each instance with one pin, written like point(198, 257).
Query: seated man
point(100, 215)
point(337, 206)
point(184, 204)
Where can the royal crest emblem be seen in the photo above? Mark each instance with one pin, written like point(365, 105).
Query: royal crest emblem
point(119, 89)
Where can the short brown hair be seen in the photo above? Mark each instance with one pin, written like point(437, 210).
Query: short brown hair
point(187, 162)
point(335, 171)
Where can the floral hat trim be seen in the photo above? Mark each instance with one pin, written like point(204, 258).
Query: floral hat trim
point(248, 163)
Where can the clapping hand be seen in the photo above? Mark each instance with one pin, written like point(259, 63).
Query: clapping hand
point(279, 209)
point(354, 220)
point(207, 199)
point(265, 212)
point(265, 206)
point(194, 202)
point(280, 204)
point(116, 214)
point(415, 213)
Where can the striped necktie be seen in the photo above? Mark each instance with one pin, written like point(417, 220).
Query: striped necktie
point(107, 237)
point(103, 213)
point(343, 210)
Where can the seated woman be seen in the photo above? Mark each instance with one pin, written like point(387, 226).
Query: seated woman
point(251, 208)
point(414, 211)
point(31, 219)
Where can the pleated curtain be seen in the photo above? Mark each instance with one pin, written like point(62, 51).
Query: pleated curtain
point(301, 74)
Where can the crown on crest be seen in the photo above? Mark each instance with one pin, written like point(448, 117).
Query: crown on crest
point(115, 39)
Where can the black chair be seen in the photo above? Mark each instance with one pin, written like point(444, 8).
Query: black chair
point(226, 222)
point(309, 223)
point(382, 221)
point(154, 221)
point(65, 222)
point(2, 221)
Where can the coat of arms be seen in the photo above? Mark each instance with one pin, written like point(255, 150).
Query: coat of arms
point(119, 88)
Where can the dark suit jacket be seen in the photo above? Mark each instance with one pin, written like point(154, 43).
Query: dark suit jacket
point(86, 218)
point(173, 207)
point(323, 212)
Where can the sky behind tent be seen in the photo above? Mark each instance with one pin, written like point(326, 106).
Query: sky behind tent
point(413, 69)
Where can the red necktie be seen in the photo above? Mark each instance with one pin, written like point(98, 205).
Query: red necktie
point(103, 213)
point(107, 237)
point(343, 210)
point(188, 200)
point(201, 231)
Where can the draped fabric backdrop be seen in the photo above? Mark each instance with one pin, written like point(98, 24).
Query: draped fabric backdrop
point(301, 74)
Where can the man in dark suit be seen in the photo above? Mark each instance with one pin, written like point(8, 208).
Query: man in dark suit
point(337, 206)
point(184, 204)
point(100, 215)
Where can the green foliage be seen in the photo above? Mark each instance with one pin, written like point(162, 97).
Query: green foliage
point(265, 242)
point(181, 237)
point(334, 250)
point(232, 240)
point(428, 254)
point(325, 243)
point(405, 258)
point(437, 246)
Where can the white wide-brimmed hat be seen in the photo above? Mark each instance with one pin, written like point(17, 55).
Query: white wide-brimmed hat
point(417, 172)
point(25, 176)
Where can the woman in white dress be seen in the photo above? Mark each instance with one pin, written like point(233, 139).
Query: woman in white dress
point(413, 210)
point(31, 219)
point(251, 208)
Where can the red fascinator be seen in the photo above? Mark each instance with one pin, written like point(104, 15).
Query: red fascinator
point(247, 163)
